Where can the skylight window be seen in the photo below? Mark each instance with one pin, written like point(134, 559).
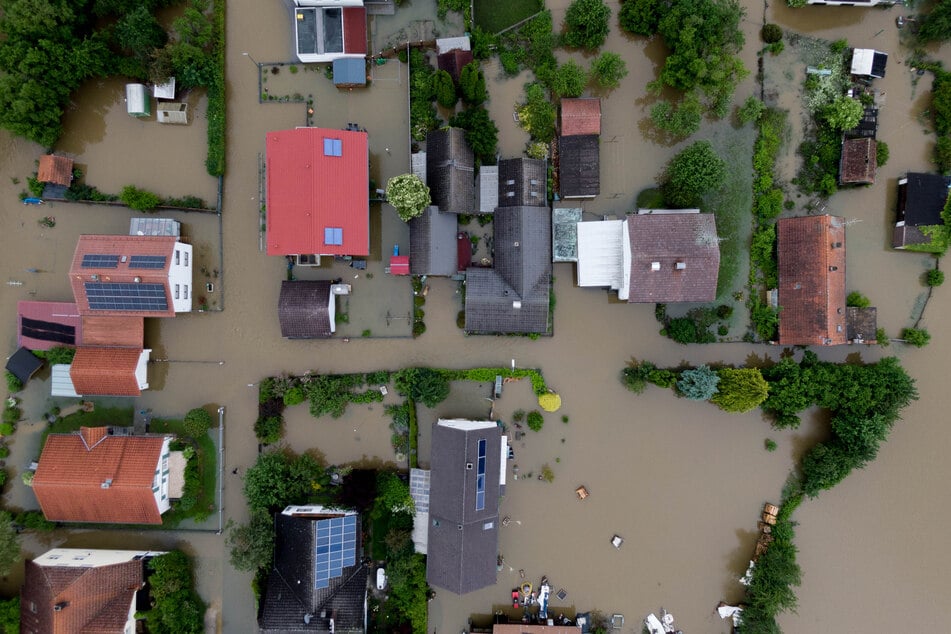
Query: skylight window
point(333, 236)
point(333, 147)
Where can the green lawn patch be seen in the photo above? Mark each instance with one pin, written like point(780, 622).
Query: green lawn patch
point(493, 16)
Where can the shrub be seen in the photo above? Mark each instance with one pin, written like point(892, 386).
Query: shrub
point(640, 17)
point(535, 420)
point(444, 89)
point(197, 422)
point(770, 444)
point(472, 84)
point(942, 154)
point(537, 114)
point(482, 135)
point(635, 375)
point(698, 384)
point(4, 452)
point(569, 80)
point(881, 153)
point(608, 69)
point(918, 337)
point(856, 300)
point(294, 396)
point(586, 24)
point(138, 199)
point(535, 150)
point(935, 277)
point(408, 194)
point(518, 415)
point(843, 114)
point(662, 378)
point(682, 119)
point(549, 402)
point(547, 474)
point(740, 390)
point(13, 383)
point(693, 173)
point(34, 521)
point(7, 428)
point(771, 33)
point(269, 429)
point(751, 110)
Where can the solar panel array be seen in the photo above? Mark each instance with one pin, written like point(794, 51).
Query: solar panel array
point(119, 296)
point(147, 262)
point(336, 548)
point(100, 261)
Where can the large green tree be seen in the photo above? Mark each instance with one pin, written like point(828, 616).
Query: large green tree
point(695, 172)
point(279, 478)
point(586, 24)
point(481, 133)
point(177, 608)
point(537, 114)
point(608, 69)
point(392, 495)
point(9, 543)
point(570, 80)
point(935, 25)
point(640, 17)
point(408, 194)
point(10, 615)
point(844, 113)
point(740, 389)
point(252, 545)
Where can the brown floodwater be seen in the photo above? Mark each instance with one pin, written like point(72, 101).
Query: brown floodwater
point(681, 482)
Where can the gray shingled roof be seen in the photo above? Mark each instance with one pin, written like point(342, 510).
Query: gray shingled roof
point(432, 243)
point(463, 542)
point(513, 296)
point(290, 592)
point(579, 166)
point(523, 182)
point(450, 171)
point(303, 309)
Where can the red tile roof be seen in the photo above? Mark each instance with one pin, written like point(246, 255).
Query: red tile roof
point(308, 192)
point(55, 169)
point(580, 116)
point(113, 331)
point(122, 246)
point(355, 30)
point(812, 281)
point(859, 161)
point(69, 479)
point(93, 600)
point(55, 321)
point(399, 265)
point(105, 371)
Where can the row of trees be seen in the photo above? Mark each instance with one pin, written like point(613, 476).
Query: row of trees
point(730, 389)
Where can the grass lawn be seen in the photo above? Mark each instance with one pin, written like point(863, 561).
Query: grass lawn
point(493, 16)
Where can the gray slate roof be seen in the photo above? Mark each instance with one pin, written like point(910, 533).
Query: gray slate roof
point(290, 592)
point(519, 179)
point(303, 309)
point(463, 542)
point(513, 296)
point(432, 243)
point(579, 166)
point(450, 171)
point(350, 71)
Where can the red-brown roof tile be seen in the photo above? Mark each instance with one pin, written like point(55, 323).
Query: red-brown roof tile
point(580, 116)
point(92, 600)
point(105, 371)
point(859, 161)
point(69, 479)
point(113, 331)
point(453, 61)
point(55, 169)
point(355, 30)
point(812, 281)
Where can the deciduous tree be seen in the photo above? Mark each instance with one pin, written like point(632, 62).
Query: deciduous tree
point(481, 133)
point(844, 113)
point(197, 422)
point(472, 84)
point(570, 80)
point(586, 24)
point(640, 17)
point(694, 172)
point(608, 69)
point(445, 89)
point(9, 543)
point(408, 194)
point(252, 544)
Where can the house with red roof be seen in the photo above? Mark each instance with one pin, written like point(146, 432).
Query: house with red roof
point(93, 476)
point(98, 371)
point(138, 276)
point(318, 199)
point(55, 169)
point(326, 30)
point(69, 590)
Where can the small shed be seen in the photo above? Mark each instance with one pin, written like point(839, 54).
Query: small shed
point(164, 91)
point(869, 62)
point(350, 72)
point(138, 102)
point(55, 169)
point(399, 265)
point(172, 112)
point(24, 364)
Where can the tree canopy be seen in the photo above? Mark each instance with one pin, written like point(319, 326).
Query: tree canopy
point(279, 478)
point(408, 194)
point(696, 171)
point(608, 69)
point(570, 80)
point(9, 543)
point(698, 384)
point(740, 389)
point(252, 545)
point(472, 84)
point(177, 608)
point(586, 24)
point(481, 133)
point(935, 25)
point(392, 496)
point(844, 113)
point(197, 422)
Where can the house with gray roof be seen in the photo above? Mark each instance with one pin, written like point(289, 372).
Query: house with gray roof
point(318, 582)
point(579, 166)
point(307, 309)
point(523, 182)
point(450, 171)
point(433, 248)
point(467, 480)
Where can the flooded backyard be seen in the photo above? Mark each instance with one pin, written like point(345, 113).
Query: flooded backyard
point(681, 481)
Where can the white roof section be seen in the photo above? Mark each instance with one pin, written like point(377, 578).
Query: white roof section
point(137, 99)
point(488, 188)
point(419, 165)
point(446, 44)
point(316, 509)
point(419, 490)
point(142, 369)
point(90, 558)
point(648, 212)
point(863, 62)
point(466, 425)
point(147, 226)
point(164, 91)
point(600, 249)
point(61, 383)
point(505, 458)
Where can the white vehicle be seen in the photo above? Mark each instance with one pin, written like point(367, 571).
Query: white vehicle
point(380, 578)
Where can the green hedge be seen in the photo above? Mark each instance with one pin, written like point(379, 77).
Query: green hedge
point(217, 108)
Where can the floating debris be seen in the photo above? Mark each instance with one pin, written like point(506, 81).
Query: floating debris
point(616, 541)
point(582, 492)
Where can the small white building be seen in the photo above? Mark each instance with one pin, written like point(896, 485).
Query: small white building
point(868, 62)
point(138, 102)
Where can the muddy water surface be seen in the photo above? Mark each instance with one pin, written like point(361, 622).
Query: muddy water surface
point(680, 481)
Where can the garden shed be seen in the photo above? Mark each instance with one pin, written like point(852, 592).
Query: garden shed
point(23, 365)
point(138, 102)
point(869, 62)
point(350, 72)
point(172, 112)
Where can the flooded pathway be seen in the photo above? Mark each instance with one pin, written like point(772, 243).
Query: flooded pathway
point(682, 482)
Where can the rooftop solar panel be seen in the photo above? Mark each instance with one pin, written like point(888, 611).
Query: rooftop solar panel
point(100, 261)
point(336, 548)
point(121, 296)
point(147, 262)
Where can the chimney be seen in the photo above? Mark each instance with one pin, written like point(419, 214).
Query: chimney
point(655, 266)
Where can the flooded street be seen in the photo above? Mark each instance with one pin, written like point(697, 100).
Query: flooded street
point(680, 481)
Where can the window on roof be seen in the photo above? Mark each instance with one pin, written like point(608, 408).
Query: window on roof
point(333, 236)
point(333, 147)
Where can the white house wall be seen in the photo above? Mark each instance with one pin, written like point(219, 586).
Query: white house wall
point(141, 369)
point(160, 482)
point(180, 277)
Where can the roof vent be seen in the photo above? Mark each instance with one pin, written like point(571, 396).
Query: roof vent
point(515, 244)
point(655, 266)
point(681, 266)
point(94, 277)
point(136, 279)
point(468, 466)
point(517, 304)
point(59, 606)
point(833, 268)
point(124, 258)
point(106, 484)
point(458, 527)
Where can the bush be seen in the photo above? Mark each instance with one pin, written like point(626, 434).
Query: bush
point(640, 17)
point(569, 80)
point(855, 299)
point(197, 422)
point(444, 89)
point(680, 120)
point(751, 110)
point(881, 153)
point(635, 376)
point(586, 24)
point(650, 198)
point(138, 199)
point(472, 84)
point(13, 383)
point(294, 396)
point(935, 277)
point(408, 194)
point(942, 154)
point(693, 173)
point(740, 390)
point(698, 384)
point(269, 429)
point(535, 420)
point(608, 69)
point(771, 33)
point(918, 337)
point(843, 114)
point(4, 452)
point(482, 135)
point(34, 521)
point(537, 114)
point(550, 402)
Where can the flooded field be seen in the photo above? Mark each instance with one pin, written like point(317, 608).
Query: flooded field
point(682, 482)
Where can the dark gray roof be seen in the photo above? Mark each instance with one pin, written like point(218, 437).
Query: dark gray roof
point(861, 324)
point(450, 171)
point(290, 592)
point(303, 309)
point(24, 364)
point(463, 542)
point(922, 198)
point(432, 243)
point(579, 166)
point(350, 71)
point(513, 296)
point(523, 182)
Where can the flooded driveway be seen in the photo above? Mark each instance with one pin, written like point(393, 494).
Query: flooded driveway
point(682, 482)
